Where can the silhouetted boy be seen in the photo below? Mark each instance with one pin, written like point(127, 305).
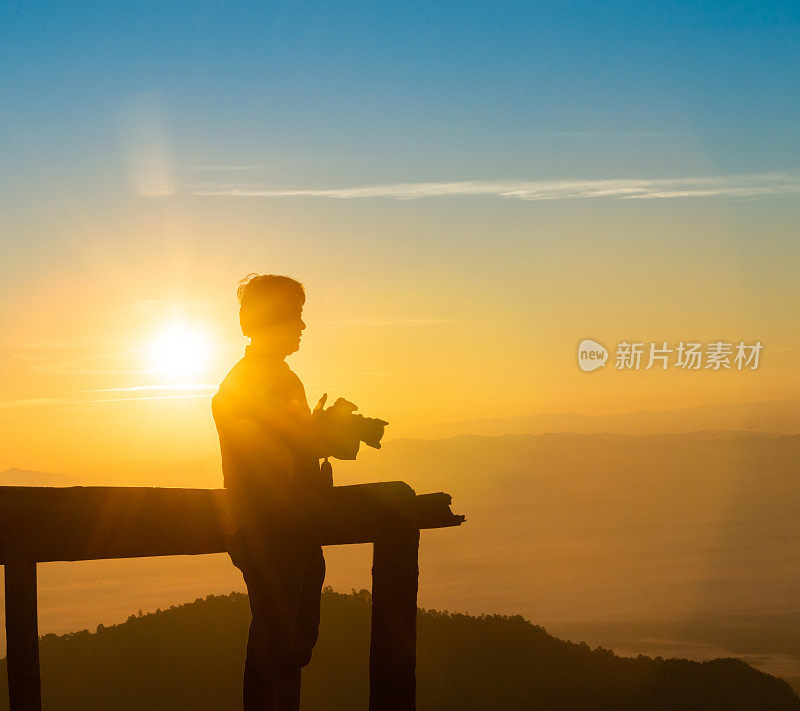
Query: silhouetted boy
point(270, 459)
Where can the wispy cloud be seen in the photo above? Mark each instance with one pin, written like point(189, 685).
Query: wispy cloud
point(154, 397)
point(735, 186)
point(382, 323)
point(65, 364)
point(598, 132)
point(226, 168)
point(30, 402)
point(181, 387)
point(24, 403)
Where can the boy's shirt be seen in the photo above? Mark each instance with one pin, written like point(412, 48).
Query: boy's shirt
point(269, 453)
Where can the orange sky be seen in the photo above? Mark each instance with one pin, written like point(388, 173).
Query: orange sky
point(419, 311)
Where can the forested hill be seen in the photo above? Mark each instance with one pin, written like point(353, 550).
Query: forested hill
point(190, 657)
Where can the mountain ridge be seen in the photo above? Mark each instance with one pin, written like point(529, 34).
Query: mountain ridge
point(776, 416)
point(191, 655)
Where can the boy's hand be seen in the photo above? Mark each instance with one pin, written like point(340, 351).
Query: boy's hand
point(340, 432)
point(335, 438)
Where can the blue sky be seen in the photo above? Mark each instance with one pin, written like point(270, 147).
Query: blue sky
point(340, 93)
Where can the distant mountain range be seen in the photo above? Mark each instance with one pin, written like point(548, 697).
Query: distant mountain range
point(773, 417)
point(191, 657)
point(27, 477)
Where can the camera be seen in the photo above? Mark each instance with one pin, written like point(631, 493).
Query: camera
point(340, 432)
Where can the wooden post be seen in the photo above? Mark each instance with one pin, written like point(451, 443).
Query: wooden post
point(22, 636)
point(392, 654)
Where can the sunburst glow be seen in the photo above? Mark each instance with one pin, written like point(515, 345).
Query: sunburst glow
point(180, 350)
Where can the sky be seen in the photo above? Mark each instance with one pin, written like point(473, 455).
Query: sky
point(467, 190)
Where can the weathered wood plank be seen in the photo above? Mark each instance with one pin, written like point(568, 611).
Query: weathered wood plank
point(86, 523)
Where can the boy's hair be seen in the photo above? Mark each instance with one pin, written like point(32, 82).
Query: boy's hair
point(267, 299)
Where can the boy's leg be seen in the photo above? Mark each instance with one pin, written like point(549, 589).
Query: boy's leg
point(312, 573)
point(284, 593)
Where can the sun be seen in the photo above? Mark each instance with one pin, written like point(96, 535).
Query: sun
point(180, 350)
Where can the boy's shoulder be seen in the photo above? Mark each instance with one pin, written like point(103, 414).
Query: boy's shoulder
point(249, 376)
point(231, 384)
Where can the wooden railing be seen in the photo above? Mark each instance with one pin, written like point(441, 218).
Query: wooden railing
point(40, 524)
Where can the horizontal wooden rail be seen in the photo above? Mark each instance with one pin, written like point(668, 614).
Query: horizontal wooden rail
point(86, 523)
point(42, 524)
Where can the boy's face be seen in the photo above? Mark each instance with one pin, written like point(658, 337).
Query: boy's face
point(285, 335)
point(294, 331)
